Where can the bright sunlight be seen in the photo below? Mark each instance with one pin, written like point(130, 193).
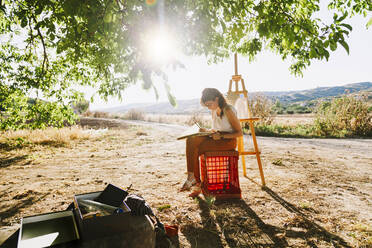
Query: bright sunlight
point(160, 46)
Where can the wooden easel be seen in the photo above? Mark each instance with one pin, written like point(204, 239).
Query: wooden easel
point(232, 96)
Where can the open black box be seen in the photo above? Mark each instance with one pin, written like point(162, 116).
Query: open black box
point(57, 229)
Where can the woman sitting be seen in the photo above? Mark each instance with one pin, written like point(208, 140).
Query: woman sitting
point(225, 129)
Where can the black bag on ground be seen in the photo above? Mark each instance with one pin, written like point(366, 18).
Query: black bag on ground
point(138, 205)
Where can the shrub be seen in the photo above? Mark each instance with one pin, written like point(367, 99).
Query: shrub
point(278, 107)
point(345, 116)
point(99, 114)
point(261, 107)
point(80, 106)
point(134, 114)
point(96, 114)
point(275, 130)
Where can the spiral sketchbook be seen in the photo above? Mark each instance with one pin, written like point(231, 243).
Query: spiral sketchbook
point(193, 131)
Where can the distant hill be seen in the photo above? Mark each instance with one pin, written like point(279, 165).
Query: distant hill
point(285, 97)
point(319, 92)
point(183, 107)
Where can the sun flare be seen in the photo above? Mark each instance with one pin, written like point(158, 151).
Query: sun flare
point(160, 46)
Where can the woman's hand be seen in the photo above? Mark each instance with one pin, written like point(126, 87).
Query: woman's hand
point(216, 136)
point(202, 129)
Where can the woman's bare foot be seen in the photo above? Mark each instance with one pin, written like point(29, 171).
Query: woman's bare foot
point(188, 184)
point(195, 190)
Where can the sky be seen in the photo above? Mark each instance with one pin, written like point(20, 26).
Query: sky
point(268, 72)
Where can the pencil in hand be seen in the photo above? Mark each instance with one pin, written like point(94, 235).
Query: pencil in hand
point(196, 123)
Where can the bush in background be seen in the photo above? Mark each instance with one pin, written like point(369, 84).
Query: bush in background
point(278, 108)
point(17, 111)
point(298, 108)
point(280, 130)
point(96, 114)
point(345, 116)
point(294, 108)
point(261, 107)
point(80, 106)
point(134, 114)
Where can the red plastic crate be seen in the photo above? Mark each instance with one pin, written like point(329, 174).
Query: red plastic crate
point(219, 174)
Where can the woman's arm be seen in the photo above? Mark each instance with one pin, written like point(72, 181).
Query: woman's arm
point(235, 123)
point(212, 130)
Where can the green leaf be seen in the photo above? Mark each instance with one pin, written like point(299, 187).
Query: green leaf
point(172, 99)
point(23, 22)
point(342, 17)
point(326, 53)
point(223, 26)
point(369, 23)
point(108, 17)
point(347, 26)
point(333, 45)
point(326, 43)
point(345, 45)
point(296, 28)
point(156, 92)
point(313, 53)
point(335, 16)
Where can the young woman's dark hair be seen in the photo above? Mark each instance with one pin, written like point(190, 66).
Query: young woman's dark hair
point(210, 94)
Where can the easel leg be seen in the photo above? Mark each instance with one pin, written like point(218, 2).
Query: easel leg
point(241, 149)
point(257, 153)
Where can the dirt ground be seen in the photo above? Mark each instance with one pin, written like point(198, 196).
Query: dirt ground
point(318, 194)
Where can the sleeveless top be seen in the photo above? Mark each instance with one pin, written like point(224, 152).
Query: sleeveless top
point(222, 124)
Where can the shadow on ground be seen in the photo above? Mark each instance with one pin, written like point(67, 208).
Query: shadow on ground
point(310, 231)
point(207, 235)
point(236, 222)
point(233, 223)
point(26, 199)
point(8, 161)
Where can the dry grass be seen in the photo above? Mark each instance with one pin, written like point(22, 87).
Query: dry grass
point(363, 233)
point(180, 119)
point(204, 119)
point(49, 136)
point(134, 114)
point(188, 120)
point(294, 120)
point(96, 114)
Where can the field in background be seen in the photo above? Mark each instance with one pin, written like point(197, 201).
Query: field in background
point(187, 119)
point(345, 116)
point(293, 120)
point(290, 120)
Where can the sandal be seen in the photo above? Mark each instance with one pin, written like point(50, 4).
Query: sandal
point(188, 184)
point(196, 190)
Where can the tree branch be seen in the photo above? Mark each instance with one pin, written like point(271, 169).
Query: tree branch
point(32, 36)
point(45, 60)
